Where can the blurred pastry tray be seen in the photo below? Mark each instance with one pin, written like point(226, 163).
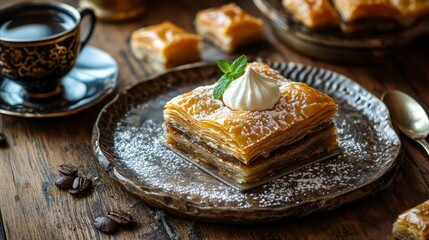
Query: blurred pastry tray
point(336, 46)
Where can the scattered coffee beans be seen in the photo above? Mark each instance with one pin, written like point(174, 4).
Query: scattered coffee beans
point(116, 216)
point(70, 181)
point(3, 140)
point(64, 182)
point(67, 169)
point(120, 217)
point(106, 225)
point(80, 185)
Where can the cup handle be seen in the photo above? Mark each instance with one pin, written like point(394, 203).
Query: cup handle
point(92, 19)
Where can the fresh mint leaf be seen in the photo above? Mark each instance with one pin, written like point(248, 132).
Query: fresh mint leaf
point(221, 85)
point(231, 72)
point(224, 66)
point(239, 65)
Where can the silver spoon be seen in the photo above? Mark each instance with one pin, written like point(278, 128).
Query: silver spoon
point(408, 116)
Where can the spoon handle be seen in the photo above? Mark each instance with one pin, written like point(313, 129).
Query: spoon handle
point(424, 144)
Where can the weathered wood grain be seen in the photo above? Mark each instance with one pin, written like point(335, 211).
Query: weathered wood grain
point(31, 207)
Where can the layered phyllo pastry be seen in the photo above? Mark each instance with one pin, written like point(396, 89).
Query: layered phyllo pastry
point(313, 13)
point(357, 15)
point(353, 10)
point(165, 45)
point(413, 223)
point(376, 15)
point(412, 8)
point(228, 27)
point(256, 126)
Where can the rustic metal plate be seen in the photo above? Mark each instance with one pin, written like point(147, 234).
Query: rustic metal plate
point(127, 134)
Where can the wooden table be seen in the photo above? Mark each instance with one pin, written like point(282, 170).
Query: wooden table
point(31, 207)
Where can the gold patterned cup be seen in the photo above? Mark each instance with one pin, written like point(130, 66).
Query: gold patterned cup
point(39, 44)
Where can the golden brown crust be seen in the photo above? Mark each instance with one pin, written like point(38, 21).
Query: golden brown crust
point(228, 26)
point(249, 134)
point(412, 8)
point(165, 45)
point(413, 223)
point(357, 16)
point(313, 13)
point(352, 10)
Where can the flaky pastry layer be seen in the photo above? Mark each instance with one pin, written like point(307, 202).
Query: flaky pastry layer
point(246, 135)
point(357, 15)
point(351, 10)
point(313, 13)
point(412, 8)
point(228, 26)
point(321, 142)
point(413, 223)
point(165, 45)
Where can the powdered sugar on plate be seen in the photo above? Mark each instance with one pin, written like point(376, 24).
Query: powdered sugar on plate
point(365, 152)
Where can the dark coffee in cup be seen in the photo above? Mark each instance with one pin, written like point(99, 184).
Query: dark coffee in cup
point(39, 44)
point(36, 25)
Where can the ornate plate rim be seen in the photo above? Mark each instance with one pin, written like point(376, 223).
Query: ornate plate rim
point(383, 179)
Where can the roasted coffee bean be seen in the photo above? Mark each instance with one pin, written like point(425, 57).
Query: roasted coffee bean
point(64, 182)
point(3, 140)
point(105, 225)
point(120, 217)
point(67, 169)
point(80, 185)
point(77, 182)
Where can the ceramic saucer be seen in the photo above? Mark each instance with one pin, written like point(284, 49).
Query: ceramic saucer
point(93, 77)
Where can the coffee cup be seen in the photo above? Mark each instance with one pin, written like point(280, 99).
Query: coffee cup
point(39, 44)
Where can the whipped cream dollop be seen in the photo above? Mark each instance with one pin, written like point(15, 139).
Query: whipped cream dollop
point(252, 92)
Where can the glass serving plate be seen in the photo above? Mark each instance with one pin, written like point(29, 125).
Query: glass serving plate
point(127, 144)
point(333, 45)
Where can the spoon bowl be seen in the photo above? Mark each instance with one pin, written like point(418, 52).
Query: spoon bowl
point(408, 115)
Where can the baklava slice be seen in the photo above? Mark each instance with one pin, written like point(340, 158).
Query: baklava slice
point(368, 15)
point(228, 27)
point(412, 9)
point(413, 223)
point(251, 146)
point(165, 45)
point(313, 13)
point(352, 10)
